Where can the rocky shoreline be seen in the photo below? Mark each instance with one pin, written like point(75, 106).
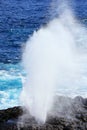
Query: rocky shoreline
point(67, 119)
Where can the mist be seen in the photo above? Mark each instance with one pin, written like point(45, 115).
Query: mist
point(55, 60)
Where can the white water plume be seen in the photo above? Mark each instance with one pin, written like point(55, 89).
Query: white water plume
point(54, 58)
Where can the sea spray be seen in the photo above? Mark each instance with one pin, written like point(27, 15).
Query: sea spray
point(53, 58)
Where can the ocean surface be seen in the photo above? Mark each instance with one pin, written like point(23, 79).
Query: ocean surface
point(18, 20)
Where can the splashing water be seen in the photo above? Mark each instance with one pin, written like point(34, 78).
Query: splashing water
point(54, 58)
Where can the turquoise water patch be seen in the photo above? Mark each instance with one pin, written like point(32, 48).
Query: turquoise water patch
point(11, 82)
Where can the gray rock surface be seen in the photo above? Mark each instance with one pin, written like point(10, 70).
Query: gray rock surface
point(66, 114)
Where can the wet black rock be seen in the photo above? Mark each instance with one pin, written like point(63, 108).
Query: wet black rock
point(71, 116)
point(10, 113)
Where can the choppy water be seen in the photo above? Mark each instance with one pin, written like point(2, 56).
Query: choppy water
point(18, 20)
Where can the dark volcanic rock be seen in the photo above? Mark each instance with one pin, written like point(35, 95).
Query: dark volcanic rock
point(10, 113)
point(71, 116)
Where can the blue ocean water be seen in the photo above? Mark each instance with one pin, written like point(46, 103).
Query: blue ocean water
point(18, 20)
